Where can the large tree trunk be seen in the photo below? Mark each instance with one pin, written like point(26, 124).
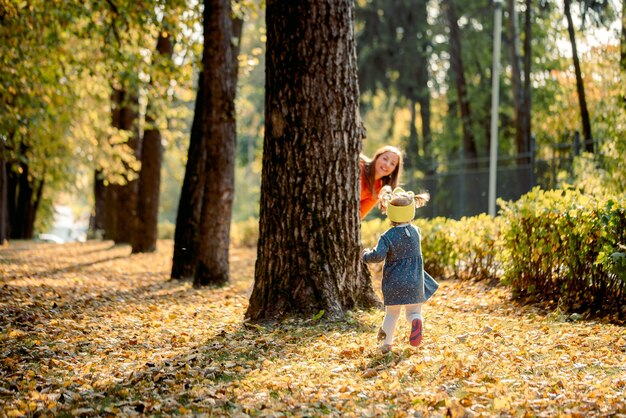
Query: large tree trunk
point(146, 227)
point(219, 139)
point(97, 221)
point(145, 234)
point(23, 196)
point(127, 193)
point(580, 87)
point(423, 58)
point(309, 232)
point(412, 158)
point(517, 83)
point(190, 203)
point(456, 64)
point(110, 212)
point(184, 259)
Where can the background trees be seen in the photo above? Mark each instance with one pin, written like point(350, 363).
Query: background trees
point(57, 135)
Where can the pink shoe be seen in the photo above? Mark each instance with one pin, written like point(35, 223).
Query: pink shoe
point(415, 339)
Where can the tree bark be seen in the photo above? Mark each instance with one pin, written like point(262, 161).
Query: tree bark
point(423, 58)
point(527, 69)
point(517, 83)
point(456, 65)
point(184, 259)
point(146, 227)
point(110, 211)
point(219, 139)
point(97, 222)
point(127, 193)
point(22, 199)
point(308, 253)
point(580, 87)
point(190, 203)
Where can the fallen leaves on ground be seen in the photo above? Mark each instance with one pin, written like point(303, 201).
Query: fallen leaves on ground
point(89, 329)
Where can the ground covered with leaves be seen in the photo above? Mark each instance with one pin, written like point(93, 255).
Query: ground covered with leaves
point(89, 329)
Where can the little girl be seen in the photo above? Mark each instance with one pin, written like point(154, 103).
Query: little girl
point(405, 283)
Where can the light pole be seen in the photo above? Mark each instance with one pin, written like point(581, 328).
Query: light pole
point(495, 95)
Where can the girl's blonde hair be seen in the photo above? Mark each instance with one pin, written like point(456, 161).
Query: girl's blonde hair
point(399, 197)
point(369, 171)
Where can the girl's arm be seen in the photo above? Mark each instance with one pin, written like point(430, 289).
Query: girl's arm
point(377, 254)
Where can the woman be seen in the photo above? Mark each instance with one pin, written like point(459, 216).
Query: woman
point(383, 169)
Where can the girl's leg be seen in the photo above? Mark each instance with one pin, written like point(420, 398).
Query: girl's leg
point(414, 316)
point(392, 314)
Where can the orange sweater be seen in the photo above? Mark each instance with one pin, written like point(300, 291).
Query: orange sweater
point(368, 201)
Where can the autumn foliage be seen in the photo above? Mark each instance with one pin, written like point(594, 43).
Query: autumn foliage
point(91, 330)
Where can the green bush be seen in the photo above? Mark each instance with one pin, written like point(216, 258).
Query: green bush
point(165, 230)
point(568, 248)
point(438, 246)
point(245, 233)
point(372, 230)
point(478, 246)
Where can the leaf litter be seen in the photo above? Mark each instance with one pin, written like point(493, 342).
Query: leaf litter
point(89, 329)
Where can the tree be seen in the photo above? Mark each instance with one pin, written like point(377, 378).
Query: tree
point(456, 66)
point(309, 232)
point(188, 216)
point(580, 86)
point(518, 83)
point(526, 89)
point(393, 50)
point(126, 103)
point(145, 237)
point(190, 203)
point(219, 141)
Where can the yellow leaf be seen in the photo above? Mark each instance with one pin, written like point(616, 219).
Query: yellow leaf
point(501, 403)
point(17, 333)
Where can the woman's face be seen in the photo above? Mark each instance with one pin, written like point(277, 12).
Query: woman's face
point(385, 164)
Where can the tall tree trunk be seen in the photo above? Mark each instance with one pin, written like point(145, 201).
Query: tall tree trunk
point(309, 232)
point(580, 87)
point(527, 69)
point(184, 259)
point(146, 228)
point(517, 83)
point(110, 211)
point(423, 58)
point(97, 221)
point(456, 64)
point(427, 136)
point(219, 139)
point(412, 159)
point(127, 193)
point(111, 190)
point(190, 203)
point(21, 192)
point(33, 206)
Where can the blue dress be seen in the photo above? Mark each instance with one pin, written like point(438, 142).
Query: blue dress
point(404, 279)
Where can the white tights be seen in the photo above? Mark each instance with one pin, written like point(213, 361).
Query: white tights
point(392, 314)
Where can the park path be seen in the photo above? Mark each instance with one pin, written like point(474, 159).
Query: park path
point(89, 329)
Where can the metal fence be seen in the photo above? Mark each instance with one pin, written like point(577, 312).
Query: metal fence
point(462, 188)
